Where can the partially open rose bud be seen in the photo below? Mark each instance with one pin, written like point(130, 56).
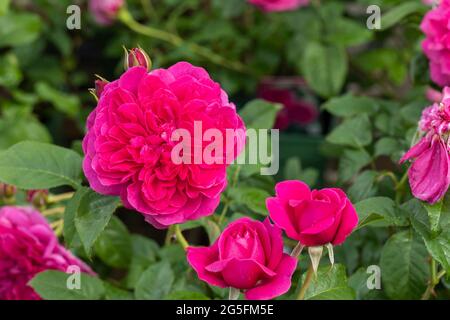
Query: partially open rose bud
point(137, 57)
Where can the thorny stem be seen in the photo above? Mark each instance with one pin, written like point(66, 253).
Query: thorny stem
point(175, 40)
point(306, 283)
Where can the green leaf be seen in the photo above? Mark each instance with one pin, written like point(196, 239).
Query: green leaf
point(438, 242)
point(378, 209)
point(349, 106)
point(325, 68)
point(398, 13)
point(113, 246)
point(156, 282)
point(434, 214)
point(404, 266)
point(260, 114)
point(26, 127)
point(70, 213)
point(115, 293)
point(10, 74)
point(352, 162)
point(35, 165)
point(68, 104)
point(187, 295)
point(144, 254)
point(53, 285)
point(355, 132)
point(93, 215)
point(346, 32)
point(363, 186)
point(387, 146)
point(253, 198)
point(19, 28)
point(293, 171)
point(330, 284)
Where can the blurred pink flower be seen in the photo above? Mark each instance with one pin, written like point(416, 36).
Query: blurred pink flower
point(282, 90)
point(314, 218)
point(105, 11)
point(129, 142)
point(436, 45)
point(28, 246)
point(279, 5)
point(248, 255)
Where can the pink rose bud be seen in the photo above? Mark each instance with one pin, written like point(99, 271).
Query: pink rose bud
point(137, 57)
point(435, 46)
point(429, 175)
point(279, 5)
point(314, 218)
point(28, 246)
point(105, 11)
point(37, 198)
point(248, 256)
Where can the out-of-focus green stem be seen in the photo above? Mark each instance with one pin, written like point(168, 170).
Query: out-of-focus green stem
point(180, 238)
point(126, 18)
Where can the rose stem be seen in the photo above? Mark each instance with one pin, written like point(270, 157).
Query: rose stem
point(128, 20)
point(306, 283)
point(233, 294)
point(60, 197)
point(180, 238)
point(434, 281)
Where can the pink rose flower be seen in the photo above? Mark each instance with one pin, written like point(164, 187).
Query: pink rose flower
point(105, 11)
point(248, 255)
point(279, 5)
point(436, 46)
point(429, 175)
point(295, 110)
point(28, 246)
point(128, 143)
point(314, 218)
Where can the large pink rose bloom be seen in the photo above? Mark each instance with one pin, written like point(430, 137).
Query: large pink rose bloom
point(314, 218)
point(248, 255)
point(105, 11)
point(28, 246)
point(279, 5)
point(429, 175)
point(129, 142)
point(436, 46)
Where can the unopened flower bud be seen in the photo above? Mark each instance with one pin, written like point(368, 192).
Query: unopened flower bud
point(137, 57)
point(7, 190)
point(37, 198)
